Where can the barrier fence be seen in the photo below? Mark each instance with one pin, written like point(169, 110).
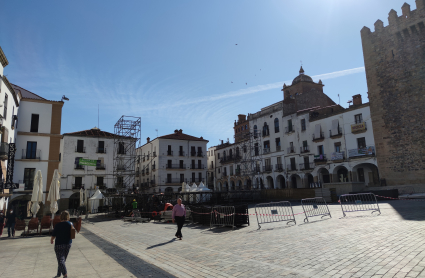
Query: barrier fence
point(274, 212)
point(359, 202)
point(223, 216)
point(315, 207)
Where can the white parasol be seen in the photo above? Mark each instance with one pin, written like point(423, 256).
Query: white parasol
point(81, 197)
point(2, 203)
point(54, 194)
point(194, 188)
point(183, 187)
point(37, 193)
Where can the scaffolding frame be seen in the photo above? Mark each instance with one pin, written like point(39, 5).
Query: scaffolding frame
point(127, 138)
point(252, 159)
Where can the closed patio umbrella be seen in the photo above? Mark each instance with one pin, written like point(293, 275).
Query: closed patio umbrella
point(37, 193)
point(81, 197)
point(54, 195)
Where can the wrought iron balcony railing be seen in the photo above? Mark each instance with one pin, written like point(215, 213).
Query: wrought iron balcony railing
point(100, 150)
point(31, 154)
point(307, 166)
point(80, 149)
point(175, 166)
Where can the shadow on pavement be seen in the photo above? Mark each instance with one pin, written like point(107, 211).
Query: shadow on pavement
point(134, 264)
point(413, 210)
point(161, 244)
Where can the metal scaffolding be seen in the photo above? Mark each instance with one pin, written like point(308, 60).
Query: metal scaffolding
point(127, 134)
point(252, 159)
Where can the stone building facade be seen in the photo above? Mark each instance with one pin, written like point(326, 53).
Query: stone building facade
point(394, 58)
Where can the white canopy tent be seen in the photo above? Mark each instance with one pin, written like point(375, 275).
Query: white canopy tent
point(94, 200)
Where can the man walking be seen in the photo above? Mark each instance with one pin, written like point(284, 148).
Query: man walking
point(179, 214)
point(10, 222)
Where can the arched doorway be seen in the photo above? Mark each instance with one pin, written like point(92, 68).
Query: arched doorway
point(232, 186)
point(309, 180)
point(270, 184)
point(280, 182)
point(225, 186)
point(219, 186)
point(248, 184)
point(74, 201)
point(22, 206)
point(341, 174)
point(367, 173)
point(323, 175)
point(295, 181)
point(261, 183)
point(239, 185)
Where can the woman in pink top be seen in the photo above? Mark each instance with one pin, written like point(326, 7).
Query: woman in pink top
point(179, 214)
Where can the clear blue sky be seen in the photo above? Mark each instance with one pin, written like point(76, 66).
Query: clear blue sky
point(172, 62)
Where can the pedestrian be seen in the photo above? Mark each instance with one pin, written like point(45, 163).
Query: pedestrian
point(134, 204)
point(2, 221)
point(62, 237)
point(10, 223)
point(179, 214)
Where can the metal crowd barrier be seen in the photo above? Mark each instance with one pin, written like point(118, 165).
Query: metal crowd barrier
point(359, 202)
point(315, 207)
point(274, 212)
point(223, 216)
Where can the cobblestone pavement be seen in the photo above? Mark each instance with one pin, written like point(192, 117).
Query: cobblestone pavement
point(359, 245)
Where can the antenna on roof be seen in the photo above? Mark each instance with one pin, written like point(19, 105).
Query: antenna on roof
point(156, 133)
point(98, 126)
point(339, 100)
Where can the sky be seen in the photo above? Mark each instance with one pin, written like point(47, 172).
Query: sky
point(191, 65)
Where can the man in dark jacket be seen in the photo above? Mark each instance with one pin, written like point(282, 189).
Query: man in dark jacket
point(10, 222)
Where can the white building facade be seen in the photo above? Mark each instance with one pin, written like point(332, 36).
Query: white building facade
point(167, 161)
point(91, 144)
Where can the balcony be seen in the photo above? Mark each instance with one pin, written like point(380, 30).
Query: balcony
point(147, 171)
point(291, 167)
point(279, 167)
point(276, 129)
point(320, 159)
point(147, 157)
point(121, 167)
point(31, 154)
point(278, 148)
point(266, 132)
point(137, 174)
point(362, 152)
point(290, 129)
point(143, 173)
point(267, 168)
point(359, 127)
point(336, 134)
point(196, 180)
point(79, 167)
point(153, 167)
point(28, 184)
point(120, 185)
point(175, 166)
point(181, 153)
point(257, 169)
point(122, 151)
point(192, 153)
point(305, 149)
point(170, 153)
point(100, 167)
point(197, 166)
point(320, 137)
point(176, 180)
point(100, 185)
point(238, 172)
point(336, 156)
point(78, 186)
point(100, 150)
point(306, 166)
point(291, 149)
point(266, 150)
point(200, 154)
point(80, 149)
point(4, 150)
point(230, 158)
point(224, 175)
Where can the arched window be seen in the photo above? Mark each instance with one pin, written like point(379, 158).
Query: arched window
point(224, 155)
point(246, 127)
point(255, 131)
point(276, 125)
point(237, 151)
point(230, 154)
point(266, 130)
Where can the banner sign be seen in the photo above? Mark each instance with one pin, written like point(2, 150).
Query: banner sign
point(358, 127)
point(370, 150)
point(337, 156)
point(88, 162)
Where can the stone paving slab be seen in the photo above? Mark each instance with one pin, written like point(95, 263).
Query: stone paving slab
point(35, 257)
point(359, 245)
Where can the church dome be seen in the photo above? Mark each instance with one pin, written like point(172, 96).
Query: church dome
point(302, 77)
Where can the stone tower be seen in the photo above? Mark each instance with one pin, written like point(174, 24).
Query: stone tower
point(394, 58)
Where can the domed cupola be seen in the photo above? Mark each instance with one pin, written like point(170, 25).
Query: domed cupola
point(302, 77)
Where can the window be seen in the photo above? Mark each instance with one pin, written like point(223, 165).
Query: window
point(31, 150)
point(246, 127)
point(200, 151)
point(181, 177)
point(218, 155)
point(293, 166)
point(277, 143)
point(256, 148)
point(267, 145)
point(169, 178)
point(265, 130)
point(358, 118)
point(13, 117)
point(320, 150)
point(244, 149)
point(169, 163)
point(78, 181)
point(169, 152)
point(276, 125)
point(193, 177)
point(193, 164)
point(5, 107)
point(121, 149)
point(279, 160)
point(290, 126)
point(34, 123)
point(60, 157)
point(99, 181)
point(101, 147)
point(361, 143)
point(80, 146)
point(29, 174)
point(337, 147)
point(255, 131)
point(237, 151)
point(303, 124)
point(218, 170)
point(224, 155)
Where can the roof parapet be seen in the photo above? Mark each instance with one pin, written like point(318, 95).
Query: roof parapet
point(3, 59)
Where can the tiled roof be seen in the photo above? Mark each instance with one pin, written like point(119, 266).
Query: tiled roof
point(94, 132)
point(25, 93)
point(3, 59)
point(181, 136)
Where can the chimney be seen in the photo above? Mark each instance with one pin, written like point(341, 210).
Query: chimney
point(148, 139)
point(180, 131)
point(357, 99)
point(241, 118)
